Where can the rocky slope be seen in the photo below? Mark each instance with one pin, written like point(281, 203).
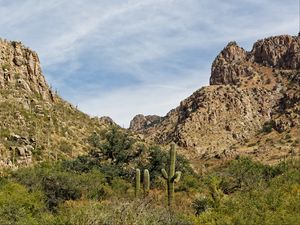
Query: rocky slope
point(251, 106)
point(35, 123)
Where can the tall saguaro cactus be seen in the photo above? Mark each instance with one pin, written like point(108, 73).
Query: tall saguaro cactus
point(173, 177)
point(137, 182)
point(146, 182)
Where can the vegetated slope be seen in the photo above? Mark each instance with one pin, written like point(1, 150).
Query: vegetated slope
point(35, 123)
point(252, 106)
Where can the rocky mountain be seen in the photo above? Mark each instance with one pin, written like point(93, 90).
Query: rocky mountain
point(252, 106)
point(35, 123)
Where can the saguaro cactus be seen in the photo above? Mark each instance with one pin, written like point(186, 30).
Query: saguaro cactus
point(172, 177)
point(146, 182)
point(137, 182)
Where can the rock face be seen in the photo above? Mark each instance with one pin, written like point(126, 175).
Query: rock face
point(248, 91)
point(233, 65)
point(140, 122)
point(279, 52)
point(20, 68)
point(229, 65)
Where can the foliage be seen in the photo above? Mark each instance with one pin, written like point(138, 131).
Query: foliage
point(18, 206)
point(278, 204)
point(60, 184)
point(70, 192)
point(113, 144)
point(201, 204)
point(58, 188)
point(268, 126)
point(243, 173)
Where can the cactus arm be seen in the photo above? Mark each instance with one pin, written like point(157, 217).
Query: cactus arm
point(164, 174)
point(176, 177)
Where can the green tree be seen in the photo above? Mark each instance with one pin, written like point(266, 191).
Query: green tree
point(114, 144)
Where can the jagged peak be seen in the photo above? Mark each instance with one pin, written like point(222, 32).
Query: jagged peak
point(234, 63)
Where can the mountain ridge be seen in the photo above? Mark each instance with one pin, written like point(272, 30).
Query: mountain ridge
point(250, 107)
point(248, 91)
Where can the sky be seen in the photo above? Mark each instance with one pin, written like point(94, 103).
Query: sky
point(120, 58)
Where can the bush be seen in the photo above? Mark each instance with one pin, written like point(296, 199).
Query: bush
point(59, 188)
point(18, 206)
point(268, 126)
point(201, 204)
point(82, 164)
point(243, 173)
point(189, 183)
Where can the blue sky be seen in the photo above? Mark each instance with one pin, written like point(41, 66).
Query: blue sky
point(120, 58)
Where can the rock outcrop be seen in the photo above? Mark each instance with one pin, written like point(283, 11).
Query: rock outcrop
point(280, 52)
point(141, 122)
point(229, 66)
point(20, 69)
point(234, 65)
point(248, 93)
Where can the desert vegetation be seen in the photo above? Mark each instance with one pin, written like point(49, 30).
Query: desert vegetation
point(99, 188)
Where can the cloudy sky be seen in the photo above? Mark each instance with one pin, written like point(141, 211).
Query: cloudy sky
point(124, 57)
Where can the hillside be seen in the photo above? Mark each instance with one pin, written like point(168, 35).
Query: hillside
point(251, 107)
point(35, 123)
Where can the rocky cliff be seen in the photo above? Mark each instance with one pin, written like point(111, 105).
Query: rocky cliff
point(251, 106)
point(20, 68)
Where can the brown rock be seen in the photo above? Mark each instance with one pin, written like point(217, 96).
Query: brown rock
point(21, 66)
point(140, 122)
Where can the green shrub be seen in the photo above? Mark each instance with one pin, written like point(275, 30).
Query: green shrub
point(113, 144)
point(65, 181)
point(59, 188)
point(82, 164)
point(268, 126)
point(201, 204)
point(243, 173)
point(18, 206)
point(189, 183)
